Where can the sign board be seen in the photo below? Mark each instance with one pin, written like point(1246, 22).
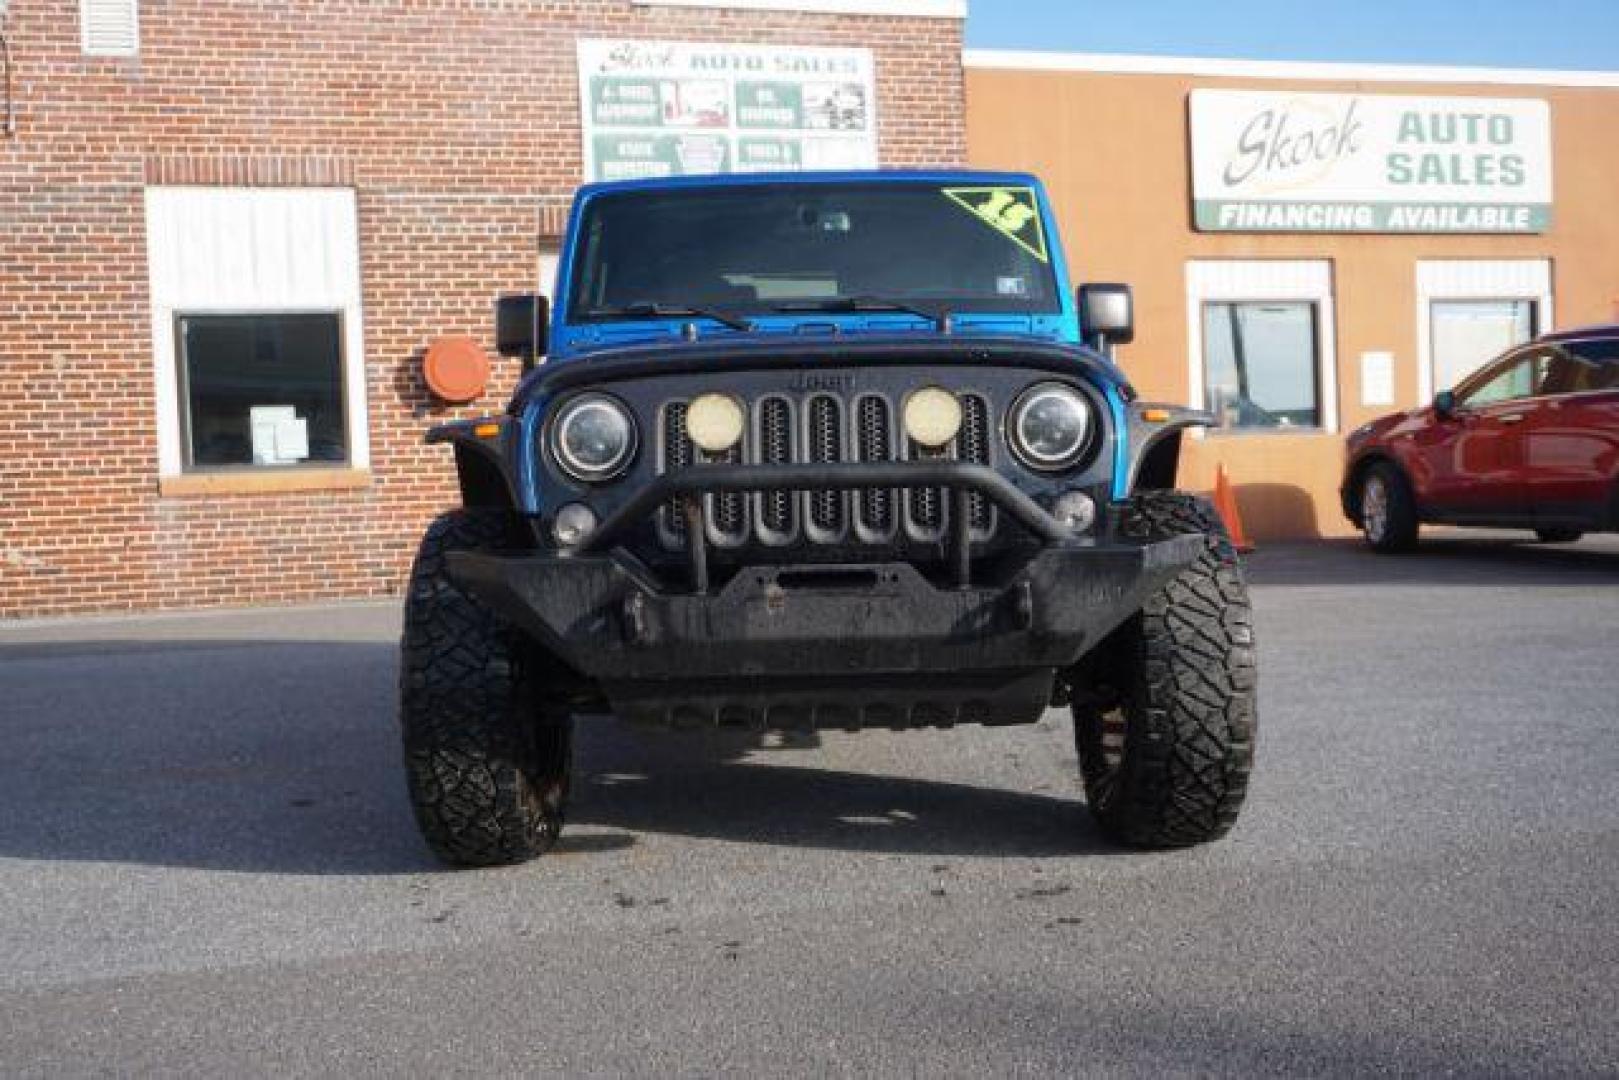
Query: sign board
point(1369, 163)
point(674, 109)
point(280, 435)
point(1377, 378)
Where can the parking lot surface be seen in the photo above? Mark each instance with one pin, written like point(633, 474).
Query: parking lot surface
point(207, 864)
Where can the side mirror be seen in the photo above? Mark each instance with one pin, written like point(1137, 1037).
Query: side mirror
point(520, 325)
point(1444, 404)
point(1107, 316)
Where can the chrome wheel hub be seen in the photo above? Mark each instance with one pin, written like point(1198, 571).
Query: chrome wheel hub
point(1374, 508)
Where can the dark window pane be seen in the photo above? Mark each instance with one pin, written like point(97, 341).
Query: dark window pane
point(263, 389)
point(1261, 365)
point(1598, 361)
point(749, 249)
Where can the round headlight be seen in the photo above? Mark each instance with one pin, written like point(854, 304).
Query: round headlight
point(593, 437)
point(1050, 426)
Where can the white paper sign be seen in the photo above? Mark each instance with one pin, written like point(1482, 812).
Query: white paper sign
point(280, 435)
point(1377, 378)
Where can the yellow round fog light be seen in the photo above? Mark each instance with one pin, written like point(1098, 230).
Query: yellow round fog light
point(714, 422)
point(932, 417)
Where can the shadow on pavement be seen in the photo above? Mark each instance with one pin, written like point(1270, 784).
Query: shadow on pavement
point(281, 757)
point(1443, 558)
point(693, 784)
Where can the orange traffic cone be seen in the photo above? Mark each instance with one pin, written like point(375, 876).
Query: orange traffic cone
point(1225, 501)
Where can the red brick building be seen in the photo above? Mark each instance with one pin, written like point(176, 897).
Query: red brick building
point(187, 180)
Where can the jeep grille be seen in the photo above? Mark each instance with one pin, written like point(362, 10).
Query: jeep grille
point(824, 428)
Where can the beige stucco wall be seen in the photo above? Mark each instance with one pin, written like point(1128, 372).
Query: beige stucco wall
point(1114, 151)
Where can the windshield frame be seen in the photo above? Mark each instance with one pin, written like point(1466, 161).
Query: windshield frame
point(573, 310)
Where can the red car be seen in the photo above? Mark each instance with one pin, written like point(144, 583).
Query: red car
point(1529, 441)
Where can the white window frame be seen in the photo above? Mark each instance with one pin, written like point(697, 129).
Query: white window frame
point(126, 10)
point(1240, 281)
point(1476, 279)
point(199, 266)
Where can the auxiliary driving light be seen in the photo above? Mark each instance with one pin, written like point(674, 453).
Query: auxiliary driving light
point(932, 417)
point(574, 525)
point(714, 422)
point(1075, 511)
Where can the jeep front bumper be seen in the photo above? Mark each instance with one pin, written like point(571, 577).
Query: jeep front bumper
point(873, 644)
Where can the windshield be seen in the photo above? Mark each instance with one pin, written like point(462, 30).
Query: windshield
point(891, 245)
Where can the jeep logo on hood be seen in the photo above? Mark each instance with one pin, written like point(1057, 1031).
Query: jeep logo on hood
point(830, 384)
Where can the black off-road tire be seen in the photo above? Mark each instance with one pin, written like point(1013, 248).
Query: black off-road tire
point(1397, 532)
point(1165, 717)
point(487, 755)
point(1559, 536)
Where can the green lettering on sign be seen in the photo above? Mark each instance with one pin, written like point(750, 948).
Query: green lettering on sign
point(769, 105)
point(636, 156)
point(1407, 217)
point(761, 152)
point(625, 102)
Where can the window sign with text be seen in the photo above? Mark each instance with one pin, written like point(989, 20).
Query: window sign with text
point(1370, 163)
point(654, 109)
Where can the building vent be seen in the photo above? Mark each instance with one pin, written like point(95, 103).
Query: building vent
point(110, 27)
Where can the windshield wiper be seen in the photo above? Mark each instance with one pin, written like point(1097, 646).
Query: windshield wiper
point(649, 309)
point(940, 317)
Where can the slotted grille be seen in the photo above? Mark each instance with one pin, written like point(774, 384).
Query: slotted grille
point(728, 511)
point(874, 442)
point(824, 428)
point(927, 505)
point(677, 454)
point(826, 447)
point(776, 448)
point(975, 448)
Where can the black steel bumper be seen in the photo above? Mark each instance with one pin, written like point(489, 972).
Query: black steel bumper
point(875, 644)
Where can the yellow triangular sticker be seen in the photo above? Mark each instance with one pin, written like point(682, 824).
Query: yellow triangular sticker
point(1014, 212)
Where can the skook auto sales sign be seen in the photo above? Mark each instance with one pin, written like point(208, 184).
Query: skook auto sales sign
point(1370, 163)
point(659, 108)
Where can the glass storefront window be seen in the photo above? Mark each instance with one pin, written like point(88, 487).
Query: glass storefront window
point(262, 390)
point(1262, 364)
point(1467, 334)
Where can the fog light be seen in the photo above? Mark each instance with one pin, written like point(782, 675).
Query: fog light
point(714, 422)
point(574, 525)
point(932, 417)
point(1076, 511)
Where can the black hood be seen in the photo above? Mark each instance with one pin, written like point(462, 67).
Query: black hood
point(792, 353)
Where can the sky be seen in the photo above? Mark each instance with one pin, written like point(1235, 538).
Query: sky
point(1575, 34)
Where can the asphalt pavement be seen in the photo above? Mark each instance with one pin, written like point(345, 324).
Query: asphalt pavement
point(207, 864)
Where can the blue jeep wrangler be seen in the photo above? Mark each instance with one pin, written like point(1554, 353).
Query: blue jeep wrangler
point(822, 451)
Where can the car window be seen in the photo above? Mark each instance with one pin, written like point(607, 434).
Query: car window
point(1518, 376)
point(1605, 376)
point(1566, 374)
point(1585, 366)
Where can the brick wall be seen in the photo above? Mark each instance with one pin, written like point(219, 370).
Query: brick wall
point(456, 122)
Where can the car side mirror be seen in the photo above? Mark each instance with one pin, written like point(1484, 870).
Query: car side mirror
point(520, 326)
point(1444, 404)
point(1107, 316)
